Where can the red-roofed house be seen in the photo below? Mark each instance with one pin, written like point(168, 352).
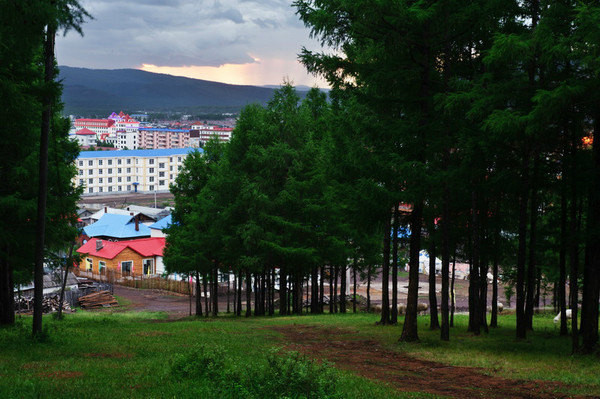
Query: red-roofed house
point(85, 137)
point(130, 258)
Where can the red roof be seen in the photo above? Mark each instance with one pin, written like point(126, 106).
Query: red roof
point(144, 246)
point(105, 122)
point(85, 131)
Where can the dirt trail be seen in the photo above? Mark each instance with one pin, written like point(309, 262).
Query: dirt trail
point(369, 359)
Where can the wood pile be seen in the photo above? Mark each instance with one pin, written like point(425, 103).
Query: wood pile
point(49, 304)
point(101, 299)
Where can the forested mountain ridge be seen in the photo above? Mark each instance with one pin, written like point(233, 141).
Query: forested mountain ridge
point(88, 91)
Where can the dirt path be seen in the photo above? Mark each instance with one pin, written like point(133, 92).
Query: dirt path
point(175, 305)
point(369, 359)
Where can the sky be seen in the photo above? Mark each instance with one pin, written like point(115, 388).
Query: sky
point(254, 42)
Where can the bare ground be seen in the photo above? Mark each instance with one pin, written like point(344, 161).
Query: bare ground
point(369, 359)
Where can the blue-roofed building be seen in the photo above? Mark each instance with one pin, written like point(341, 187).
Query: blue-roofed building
point(128, 171)
point(156, 229)
point(117, 227)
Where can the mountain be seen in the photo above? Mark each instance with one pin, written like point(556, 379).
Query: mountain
point(99, 91)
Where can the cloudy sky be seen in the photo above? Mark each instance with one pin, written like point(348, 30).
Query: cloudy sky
point(252, 42)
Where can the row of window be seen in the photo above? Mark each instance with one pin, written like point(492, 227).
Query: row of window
point(109, 171)
point(126, 266)
point(109, 162)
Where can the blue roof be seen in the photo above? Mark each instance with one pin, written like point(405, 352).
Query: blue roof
point(158, 129)
point(162, 223)
point(138, 153)
point(117, 226)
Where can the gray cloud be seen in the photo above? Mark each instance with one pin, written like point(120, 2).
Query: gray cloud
point(127, 34)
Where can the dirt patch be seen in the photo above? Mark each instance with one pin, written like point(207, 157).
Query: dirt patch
point(370, 359)
point(108, 355)
point(60, 375)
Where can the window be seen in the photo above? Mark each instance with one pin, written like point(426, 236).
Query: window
point(91, 172)
point(80, 163)
point(126, 267)
point(129, 162)
point(101, 267)
point(148, 266)
point(90, 163)
point(89, 264)
point(81, 182)
point(100, 180)
point(110, 179)
point(151, 170)
point(150, 188)
point(100, 189)
point(119, 170)
point(179, 167)
point(151, 179)
point(128, 188)
point(151, 161)
point(110, 171)
point(170, 168)
point(178, 159)
point(90, 190)
point(99, 171)
point(119, 188)
point(110, 161)
point(128, 179)
point(171, 159)
point(99, 162)
point(161, 165)
point(91, 181)
point(109, 189)
point(80, 172)
point(128, 170)
point(119, 180)
point(118, 162)
point(161, 182)
point(161, 174)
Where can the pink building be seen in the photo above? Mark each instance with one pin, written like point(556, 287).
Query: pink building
point(150, 138)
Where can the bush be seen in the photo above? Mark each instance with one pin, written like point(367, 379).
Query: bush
point(201, 361)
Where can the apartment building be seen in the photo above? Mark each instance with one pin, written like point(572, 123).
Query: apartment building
point(127, 171)
point(201, 134)
point(98, 126)
point(153, 138)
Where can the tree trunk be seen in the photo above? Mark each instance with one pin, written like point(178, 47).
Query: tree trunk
point(369, 289)
point(248, 294)
point(354, 298)
point(452, 293)
point(562, 260)
point(591, 270)
point(206, 302)
point(474, 284)
point(494, 318)
point(521, 330)
point(410, 328)
point(445, 227)
point(394, 311)
point(343, 285)
point(322, 290)
point(385, 273)
point(282, 292)
point(64, 282)
point(335, 289)
point(532, 267)
point(198, 296)
point(40, 231)
point(7, 298)
point(314, 291)
point(434, 323)
point(331, 298)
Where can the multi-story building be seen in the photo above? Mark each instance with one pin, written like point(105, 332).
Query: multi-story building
point(163, 138)
point(203, 133)
point(126, 171)
point(98, 126)
point(127, 140)
point(124, 123)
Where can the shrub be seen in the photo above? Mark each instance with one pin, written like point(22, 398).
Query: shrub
point(201, 361)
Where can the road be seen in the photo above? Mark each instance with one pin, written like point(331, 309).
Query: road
point(118, 200)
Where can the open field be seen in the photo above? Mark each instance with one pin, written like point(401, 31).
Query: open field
point(139, 354)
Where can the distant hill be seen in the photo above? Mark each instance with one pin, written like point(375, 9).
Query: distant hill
point(100, 91)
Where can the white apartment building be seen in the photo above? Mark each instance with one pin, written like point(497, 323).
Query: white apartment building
point(98, 126)
point(127, 139)
point(128, 171)
point(203, 133)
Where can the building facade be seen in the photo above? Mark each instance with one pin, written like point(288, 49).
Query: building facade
point(151, 138)
point(127, 171)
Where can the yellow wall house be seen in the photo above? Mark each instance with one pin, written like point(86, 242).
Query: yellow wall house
point(129, 258)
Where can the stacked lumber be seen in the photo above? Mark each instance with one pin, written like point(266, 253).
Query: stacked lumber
point(101, 299)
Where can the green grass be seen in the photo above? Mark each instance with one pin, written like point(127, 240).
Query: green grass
point(127, 354)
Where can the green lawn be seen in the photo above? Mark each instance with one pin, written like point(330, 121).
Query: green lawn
point(101, 355)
